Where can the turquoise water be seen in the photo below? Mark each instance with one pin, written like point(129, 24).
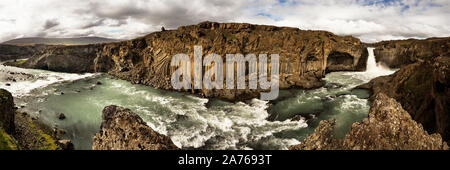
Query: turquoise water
point(335, 100)
point(187, 119)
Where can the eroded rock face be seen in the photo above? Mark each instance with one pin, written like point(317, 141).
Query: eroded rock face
point(388, 127)
point(423, 90)
point(122, 129)
point(305, 56)
point(7, 111)
point(12, 52)
point(398, 53)
point(72, 59)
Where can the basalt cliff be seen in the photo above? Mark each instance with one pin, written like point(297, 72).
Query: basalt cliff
point(13, 52)
point(305, 56)
point(423, 90)
point(407, 106)
point(398, 53)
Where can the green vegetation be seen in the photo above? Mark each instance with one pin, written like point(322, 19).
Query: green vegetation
point(7, 142)
point(46, 142)
point(43, 141)
point(20, 62)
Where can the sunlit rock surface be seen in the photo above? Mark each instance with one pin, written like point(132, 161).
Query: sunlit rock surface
point(122, 129)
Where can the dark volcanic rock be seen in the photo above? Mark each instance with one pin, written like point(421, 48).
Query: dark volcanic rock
point(12, 52)
point(388, 127)
point(61, 116)
point(398, 53)
point(72, 59)
point(7, 111)
point(423, 90)
point(122, 129)
point(66, 144)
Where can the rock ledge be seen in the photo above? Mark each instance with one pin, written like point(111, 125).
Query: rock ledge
point(121, 129)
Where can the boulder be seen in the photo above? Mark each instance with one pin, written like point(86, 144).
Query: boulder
point(66, 144)
point(121, 129)
point(61, 116)
point(7, 111)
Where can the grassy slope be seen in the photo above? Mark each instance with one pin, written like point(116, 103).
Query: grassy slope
point(7, 142)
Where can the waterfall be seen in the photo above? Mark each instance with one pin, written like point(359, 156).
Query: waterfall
point(373, 67)
point(371, 62)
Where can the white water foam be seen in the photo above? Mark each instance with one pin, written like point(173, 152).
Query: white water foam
point(375, 69)
point(39, 79)
point(223, 125)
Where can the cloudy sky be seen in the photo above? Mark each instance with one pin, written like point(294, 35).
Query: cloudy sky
point(369, 20)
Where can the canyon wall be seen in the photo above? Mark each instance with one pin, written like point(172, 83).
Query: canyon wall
point(398, 53)
point(407, 106)
point(305, 56)
point(423, 90)
point(72, 59)
point(12, 52)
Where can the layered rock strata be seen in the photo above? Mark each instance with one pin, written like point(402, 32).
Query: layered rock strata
point(398, 53)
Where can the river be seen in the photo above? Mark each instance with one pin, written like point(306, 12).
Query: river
point(192, 122)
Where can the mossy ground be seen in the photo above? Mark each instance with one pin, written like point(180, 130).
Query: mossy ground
point(42, 141)
point(7, 142)
point(20, 62)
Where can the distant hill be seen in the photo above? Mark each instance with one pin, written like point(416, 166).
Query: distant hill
point(59, 41)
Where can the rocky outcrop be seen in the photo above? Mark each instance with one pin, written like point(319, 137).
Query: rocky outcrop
point(305, 56)
point(121, 129)
point(33, 135)
point(12, 52)
point(398, 53)
point(422, 89)
point(19, 131)
point(388, 127)
point(72, 59)
point(7, 111)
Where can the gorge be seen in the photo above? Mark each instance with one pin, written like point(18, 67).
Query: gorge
point(312, 88)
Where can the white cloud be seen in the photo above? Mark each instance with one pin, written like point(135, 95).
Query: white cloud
point(369, 20)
